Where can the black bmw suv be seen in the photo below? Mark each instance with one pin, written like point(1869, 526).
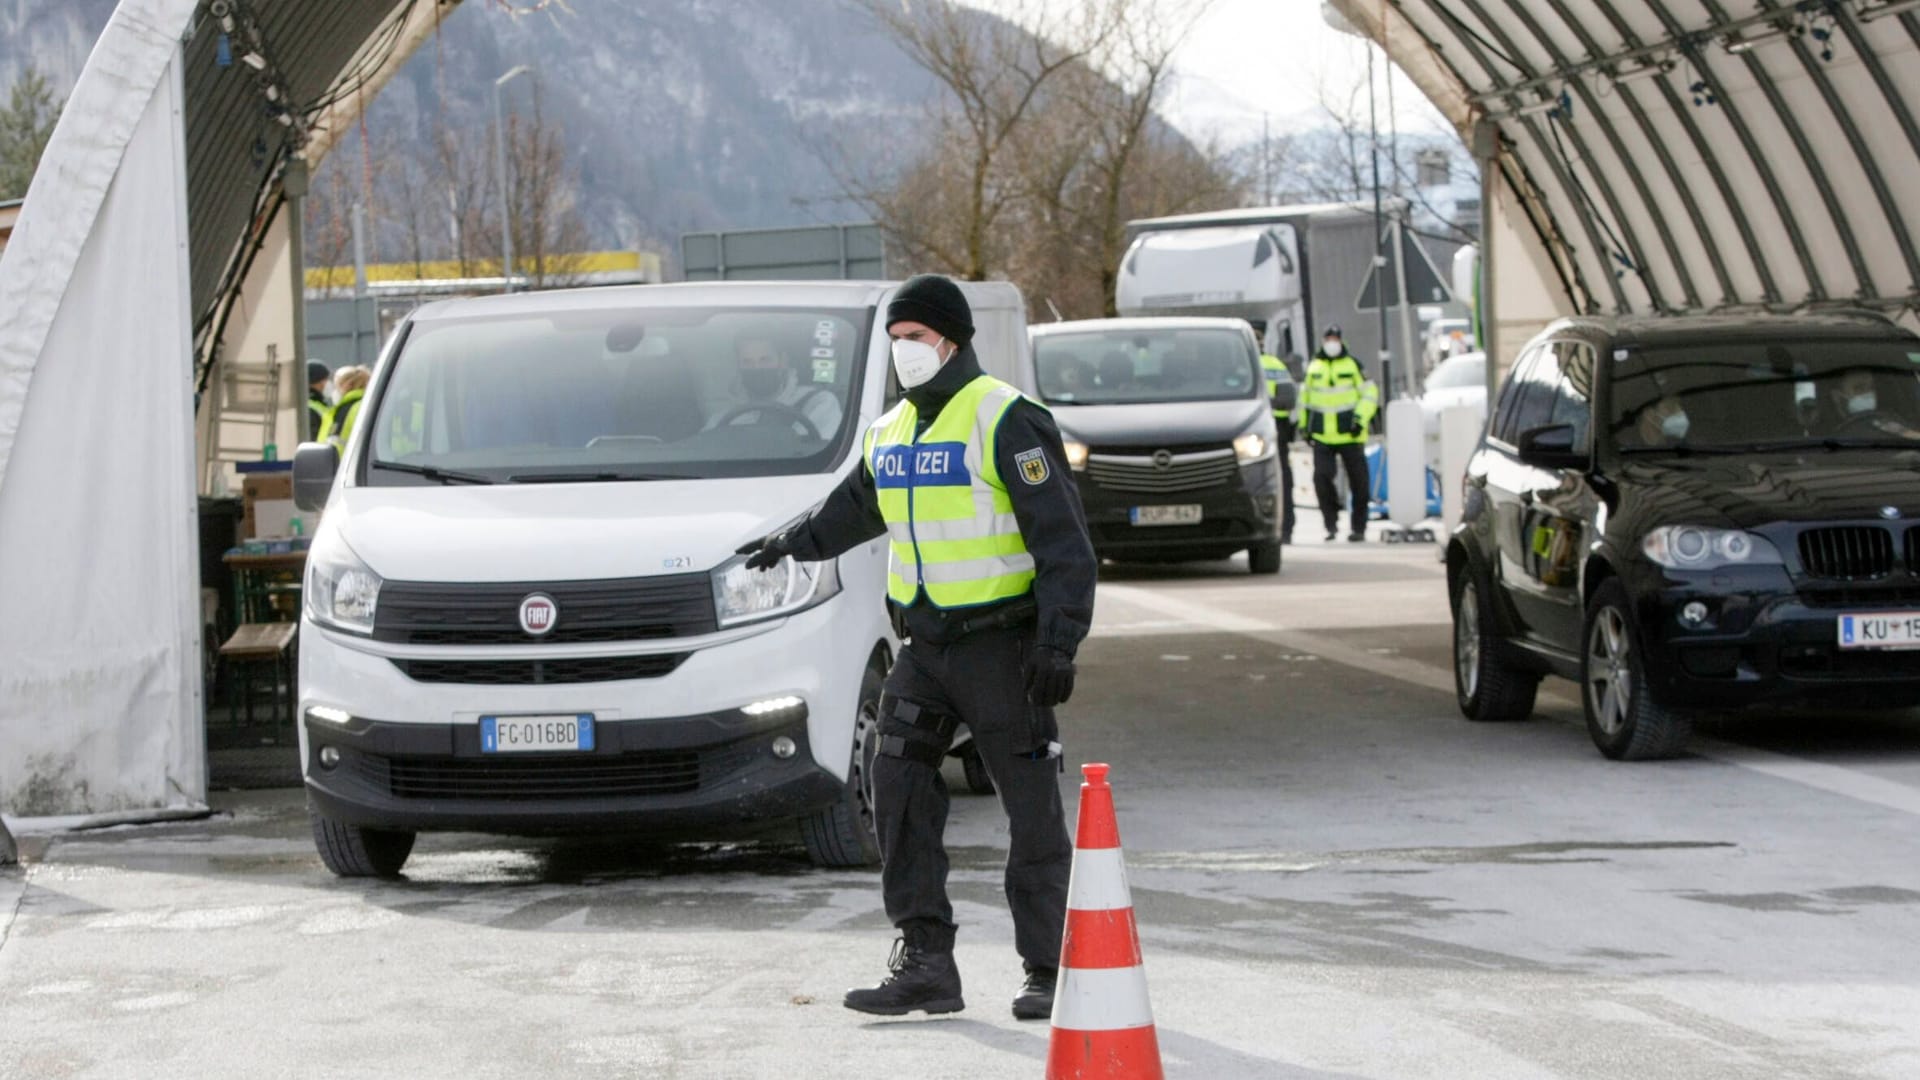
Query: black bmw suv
point(1688, 514)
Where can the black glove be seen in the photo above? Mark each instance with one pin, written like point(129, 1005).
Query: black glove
point(1049, 676)
point(1349, 423)
point(766, 552)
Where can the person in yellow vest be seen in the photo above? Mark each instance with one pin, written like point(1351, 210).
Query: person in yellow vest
point(318, 376)
point(991, 578)
point(1337, 407)
point(352, 384)
point(1283, 395)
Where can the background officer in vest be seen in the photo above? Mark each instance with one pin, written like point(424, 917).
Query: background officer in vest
point(992, 577)
point(318, 375)
point(1337, 406)
point(1284, 396)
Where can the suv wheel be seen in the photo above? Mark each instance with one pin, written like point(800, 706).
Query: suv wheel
point(1487, 686)
point(353, 851)
point(1264, 558)
point(841, 834)
point(1624, 720)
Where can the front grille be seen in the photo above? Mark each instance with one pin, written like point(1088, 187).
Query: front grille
point(626, 609)
point(668, 772)
point(1847, 553)
point(1867, 597)
point(1184, 472)
point(1831, 662)
point(541, 671)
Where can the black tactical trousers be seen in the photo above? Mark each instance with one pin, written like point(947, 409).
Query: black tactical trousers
point(1354, 457)
point(978, 680)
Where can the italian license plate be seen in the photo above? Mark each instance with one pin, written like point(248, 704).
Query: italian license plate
point(1165, 515)
point(519, 734)
point(1881, 630)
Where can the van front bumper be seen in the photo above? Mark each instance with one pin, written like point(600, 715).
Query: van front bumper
point(664, 777)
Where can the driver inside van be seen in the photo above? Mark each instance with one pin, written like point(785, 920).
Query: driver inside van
point(769, 392)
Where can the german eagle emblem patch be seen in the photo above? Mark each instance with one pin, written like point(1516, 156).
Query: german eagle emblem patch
point(1033, 466)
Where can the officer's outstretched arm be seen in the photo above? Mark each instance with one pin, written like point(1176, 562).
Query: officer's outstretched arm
point(1033, 465)
point(850, 517)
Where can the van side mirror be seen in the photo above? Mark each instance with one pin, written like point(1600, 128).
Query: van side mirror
point(1551, 447)
point(314, 466)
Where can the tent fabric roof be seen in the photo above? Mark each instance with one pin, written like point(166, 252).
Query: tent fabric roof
point(1690, 155)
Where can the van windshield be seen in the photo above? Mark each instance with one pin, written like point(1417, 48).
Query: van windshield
point(1116, 367)
point(637, 393)
point(1782, 394)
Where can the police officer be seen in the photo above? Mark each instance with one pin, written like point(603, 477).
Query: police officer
point(1283, 396)
point(1337, 405)
point(991, 577)
point(317, 408)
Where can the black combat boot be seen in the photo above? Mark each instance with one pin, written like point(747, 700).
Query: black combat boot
point(1035, 999)
point(923, 979)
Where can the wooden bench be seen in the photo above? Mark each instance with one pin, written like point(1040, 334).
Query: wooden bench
point(258, 643)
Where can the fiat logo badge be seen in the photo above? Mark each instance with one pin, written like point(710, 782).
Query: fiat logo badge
point(1891, 513)
point(1163, 459)
point(537, 614)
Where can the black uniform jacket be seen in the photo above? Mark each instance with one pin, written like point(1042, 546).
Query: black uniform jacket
point(1051, 519)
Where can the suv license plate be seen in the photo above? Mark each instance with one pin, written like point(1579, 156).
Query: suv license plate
point(1165, 515)
point(1881, 630)
point(518, 734)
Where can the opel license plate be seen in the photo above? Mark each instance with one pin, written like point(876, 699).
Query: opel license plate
point(1165, 515)
point(1881, 630)
point(517, 734)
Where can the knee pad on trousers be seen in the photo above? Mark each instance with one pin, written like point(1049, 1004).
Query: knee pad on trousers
point(910, 731)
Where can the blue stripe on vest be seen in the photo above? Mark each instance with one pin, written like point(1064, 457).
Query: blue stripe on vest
point(925, 465)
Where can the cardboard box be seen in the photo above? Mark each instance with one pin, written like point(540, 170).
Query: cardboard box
point(266, 505)
point(273, 485)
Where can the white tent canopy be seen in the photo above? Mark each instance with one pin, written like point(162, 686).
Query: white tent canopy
point(1664, 156)
point(112, 310)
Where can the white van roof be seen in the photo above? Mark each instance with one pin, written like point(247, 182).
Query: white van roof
point(982, 295)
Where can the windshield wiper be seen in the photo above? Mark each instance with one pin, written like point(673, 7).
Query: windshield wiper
point(444, 476)
point(1834, 442)
point(588, 477)
point(1684, 450)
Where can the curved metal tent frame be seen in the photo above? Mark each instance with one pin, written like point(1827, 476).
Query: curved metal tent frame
point(1673, 156)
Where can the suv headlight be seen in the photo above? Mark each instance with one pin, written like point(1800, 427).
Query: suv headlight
point(340, 591)
point(741, 595)
point(1251, 447)
point(1691, 547)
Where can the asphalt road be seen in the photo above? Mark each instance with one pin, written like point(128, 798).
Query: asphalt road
point(1334, 875)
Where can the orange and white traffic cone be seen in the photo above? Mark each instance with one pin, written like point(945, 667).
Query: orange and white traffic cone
point(1102, 1022)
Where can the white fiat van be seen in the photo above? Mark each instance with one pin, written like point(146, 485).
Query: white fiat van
point(523, 612)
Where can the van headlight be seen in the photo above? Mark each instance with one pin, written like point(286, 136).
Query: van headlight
point(340, 591)
point(1691, 547)
point(1251, 447)
point(741, 595)
point(1077, 454)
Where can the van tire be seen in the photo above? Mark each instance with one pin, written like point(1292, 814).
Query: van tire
point(1264, 558)
point(351, 851)
point(841, 835)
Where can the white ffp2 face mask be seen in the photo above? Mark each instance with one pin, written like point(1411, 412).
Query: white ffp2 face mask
point(915, 362)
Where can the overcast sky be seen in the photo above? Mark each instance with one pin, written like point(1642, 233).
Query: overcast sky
point(1249, 57)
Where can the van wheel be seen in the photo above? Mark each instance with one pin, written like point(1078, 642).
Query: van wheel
point(979, 781)
point(1622, 717)
point(1488, 688)
point(1264, 558)
point(352, 851)
point(841, 835)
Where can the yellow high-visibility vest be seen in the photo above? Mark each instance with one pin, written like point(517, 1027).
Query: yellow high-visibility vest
point(1336, 386)
point(949, 518)
point(339, 426)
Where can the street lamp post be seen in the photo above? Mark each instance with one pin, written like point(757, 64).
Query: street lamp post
point(500, 166)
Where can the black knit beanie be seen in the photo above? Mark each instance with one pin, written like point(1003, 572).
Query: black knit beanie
point(936, 302)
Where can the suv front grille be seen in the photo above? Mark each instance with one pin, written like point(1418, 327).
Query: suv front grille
point(1182, 472)
point(541, 671)
point(1848, 553)
point(625, 609)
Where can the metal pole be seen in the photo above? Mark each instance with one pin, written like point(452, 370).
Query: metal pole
point(293, 184)
point(1379, 239)
point(1486, 148)
point(1406, 305)
point(359, 275)
point(500, 167)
